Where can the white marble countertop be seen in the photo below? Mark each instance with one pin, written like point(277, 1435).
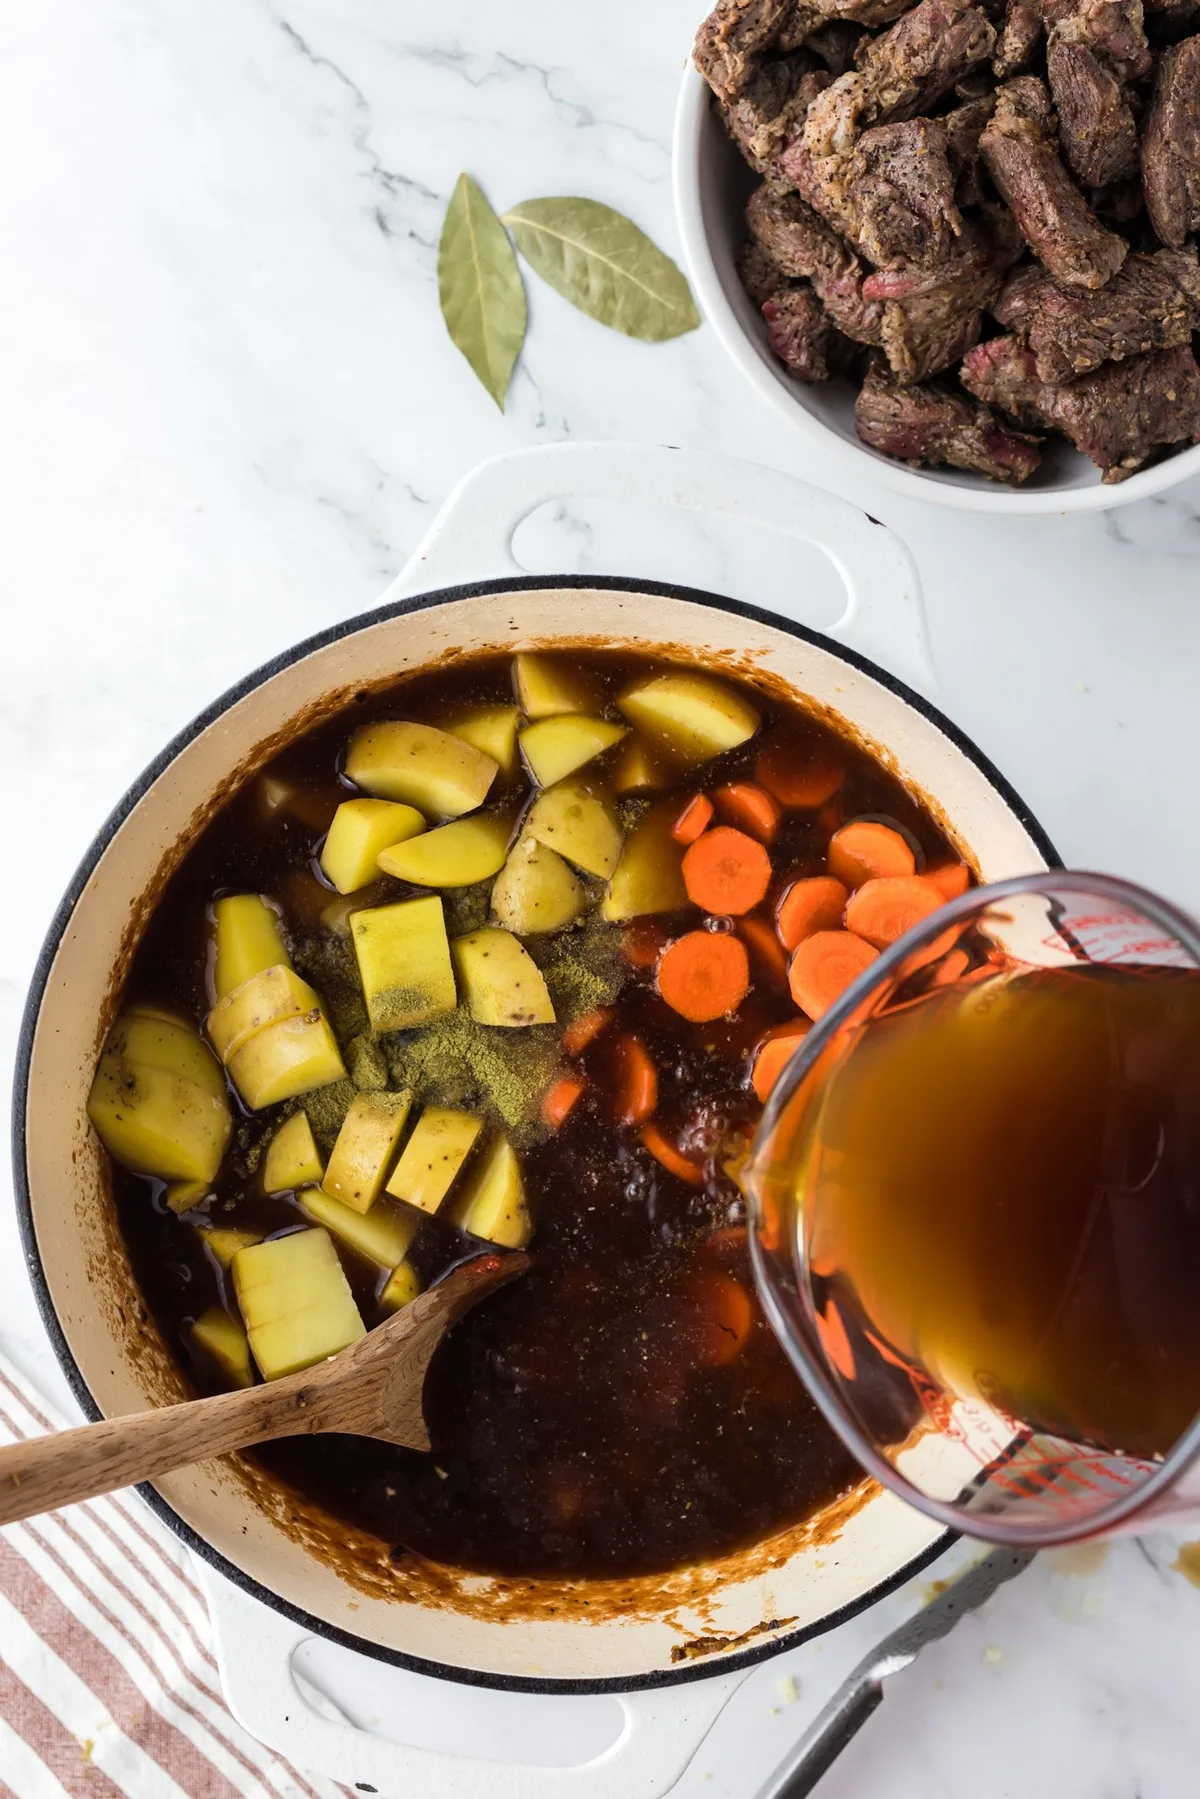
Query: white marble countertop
point(230, 410)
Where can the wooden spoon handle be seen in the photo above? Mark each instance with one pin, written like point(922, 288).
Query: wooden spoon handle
point(69, 1465)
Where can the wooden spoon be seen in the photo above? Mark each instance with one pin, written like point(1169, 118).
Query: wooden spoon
point(372, 1389)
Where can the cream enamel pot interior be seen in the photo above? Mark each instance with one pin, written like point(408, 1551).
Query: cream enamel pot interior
point(113, 1357)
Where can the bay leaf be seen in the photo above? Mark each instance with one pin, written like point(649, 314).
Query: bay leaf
point(480, 288)
point(601, 262)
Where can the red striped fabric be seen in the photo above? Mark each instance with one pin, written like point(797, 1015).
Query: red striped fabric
point(108, 1680)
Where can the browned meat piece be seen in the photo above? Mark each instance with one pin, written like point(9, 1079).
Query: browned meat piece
point(1095, 120)
point(800, 20)
point(809, 17)
point(932, 425)
point(1144, 307)
point(964, 127)
point(1016, 300)
point(1054, 217)
point(931, 319)
point(804, 247)
point(759, 273)
point(899, 195)
point(1117, 416)
point(1171, 144)
point(801, 333)
point(835, 43)
point(732, 36)
point(1019, 39)
point(1114, 30)
point(772, 105)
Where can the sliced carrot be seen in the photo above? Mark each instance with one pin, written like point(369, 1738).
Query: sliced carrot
point(724, 1317)
point(801, 774)
point(764, 949)
point(559, 1097)
point(824, 966)
point(750, 808)
point(585, 1029)
point(726, 872)
point(694, 820)
point(864, 850)
point(813, 904)
point(883, 909)
point(950, 879)
point(951, 968)
point(704, 975)
point(774, 1053)
point(642, 943)
point(665, 1153)
point(637, 1081)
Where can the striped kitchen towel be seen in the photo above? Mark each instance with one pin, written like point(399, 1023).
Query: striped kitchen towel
point(108, 1682)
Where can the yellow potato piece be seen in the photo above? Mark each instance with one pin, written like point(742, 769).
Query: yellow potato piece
point(492, 729)
point(536, 890)
point(223, 1342)
point(649, 876)
point(439, 774)
point(248, 939)
point(292, 1160)
point(183, 1196)
point(157, 1123)
point(492, 1205)
point(691, 716)
point(577, 821)
point(225, 1241)
point(381, 1236)
point(267, 997)
point(433, 1156)
point(545, 685)
point(365, 1148)
point(404, 963)
point(284, 1060)
point(639, 769)
point(555, 747)
point(296, 1302)
point(403, 1286)
point(360, 831)
point(159, 1040)
point(455, 855)
point(502, 983)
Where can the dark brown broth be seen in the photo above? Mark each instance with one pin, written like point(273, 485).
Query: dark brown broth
point(577, 1427)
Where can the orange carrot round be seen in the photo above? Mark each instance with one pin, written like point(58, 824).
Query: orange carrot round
point(585, 1029)
point(864, 850)
point(559, 1097)
point(800, 774)
point(670, 1158)
point(642, 942)
point(883, 909)
point(694, 820)
point(637, 1081)
point(704, 975)
point(950, 878)
point(774, 1053)
point(724, 1317)
point(813, 904)
point(750, 807)
point(726, 872)
point(764, 949)
point(824, 966)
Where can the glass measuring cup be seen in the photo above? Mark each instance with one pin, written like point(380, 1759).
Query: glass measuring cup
point(927, 1344)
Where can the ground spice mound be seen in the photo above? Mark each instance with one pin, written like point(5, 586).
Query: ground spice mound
point(583, 968)
point(329, 963)
point(456, 1062)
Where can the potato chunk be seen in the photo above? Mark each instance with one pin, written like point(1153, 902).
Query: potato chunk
point(492, 729)
point(404, 963)
point(455, 855)
point(492, 1205)
point(427, 768)
point(691, 716)
point(536, 890)
point(555, 747)
point(155, 1121)
point(545, 685)
point(248, 939)
point(222, 1341)
point(285, 1060)
point(165, 1040)
point(577, 821)
point(402, 1288)
point(292, 1160)
point(382, 1235)
point(224, 1242)
point(638, 768)
point(366, 1144)
point(433, 1156)
point(184, 1196)
point(266, 998)
point(296, 1302)
point(649, 876)
point(360, 831)
point(502, 982)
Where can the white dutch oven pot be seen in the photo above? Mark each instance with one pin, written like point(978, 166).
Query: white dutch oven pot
point(726, 1617)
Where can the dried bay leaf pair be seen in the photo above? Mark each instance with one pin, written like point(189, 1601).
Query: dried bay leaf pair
point(594, 257)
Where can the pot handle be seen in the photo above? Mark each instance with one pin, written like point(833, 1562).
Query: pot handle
point(662, 1729)
point(471, 538)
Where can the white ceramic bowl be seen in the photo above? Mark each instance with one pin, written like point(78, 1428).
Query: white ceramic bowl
point(712, 183)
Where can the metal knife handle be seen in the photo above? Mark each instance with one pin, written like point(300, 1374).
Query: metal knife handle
point(824, 1740)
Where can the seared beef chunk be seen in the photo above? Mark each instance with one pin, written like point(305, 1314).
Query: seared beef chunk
point(1171, 145)
point(733, 35)
point(803, 246)
point(1019, 39)
point(902, 73)
point(803, 335)
point(932, 318)
point(1144, 307)
point(772, 104)
point(1114, 30)
point(1015, 303)
point(932, 425)
point(897, 197)
point(1023, 161)
point(964, 127)
point(759, 273)
point(1095, 120)
point(1118, 415)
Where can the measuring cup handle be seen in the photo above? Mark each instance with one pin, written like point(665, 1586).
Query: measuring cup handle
point(471, 539)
